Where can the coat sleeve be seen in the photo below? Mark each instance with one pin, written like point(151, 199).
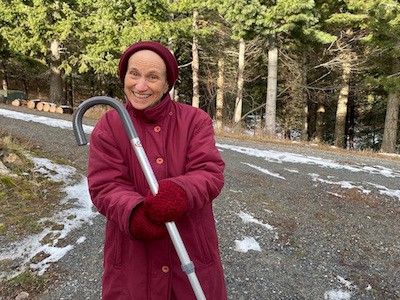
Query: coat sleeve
point(111, 188)
point(203, 179)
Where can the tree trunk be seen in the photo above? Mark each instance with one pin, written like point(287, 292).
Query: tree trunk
point(70, 90)
point(270, 108)
point(176, 94)
point(304, 96)
point(3, 97)
point(171, 49)
point(5, 91)
point(391, 124)
point(240, 82)
point(392, 117)
point(304, 128)
point(341, 111)
point(195, 62)
point(56, 90)
point(320, 123)
point(26, 90)
point(351, 122)
point(220, 93)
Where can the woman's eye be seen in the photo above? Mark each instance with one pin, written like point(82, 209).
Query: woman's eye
point(134, 74)
point(153, 77)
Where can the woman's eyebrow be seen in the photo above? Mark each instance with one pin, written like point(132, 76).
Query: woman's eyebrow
point(132, 69)
point(155, 72)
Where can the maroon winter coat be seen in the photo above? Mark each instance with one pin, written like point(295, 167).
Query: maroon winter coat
point(179, 142)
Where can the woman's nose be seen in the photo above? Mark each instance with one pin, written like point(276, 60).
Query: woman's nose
point(141, 84)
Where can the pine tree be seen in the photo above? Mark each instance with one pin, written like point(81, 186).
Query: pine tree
point(38, 29)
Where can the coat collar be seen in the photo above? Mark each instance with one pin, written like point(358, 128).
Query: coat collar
point(154, 114)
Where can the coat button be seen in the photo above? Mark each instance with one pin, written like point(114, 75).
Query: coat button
point(165, 269)
point(159, 161)
point(157, 129)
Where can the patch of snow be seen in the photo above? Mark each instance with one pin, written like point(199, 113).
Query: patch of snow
point(247, 244)
point(79, 213)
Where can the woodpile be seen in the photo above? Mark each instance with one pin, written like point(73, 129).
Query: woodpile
point(18, 102)
point(64, 109)
point(32, 103)
point(43, 106)
point(40, 106)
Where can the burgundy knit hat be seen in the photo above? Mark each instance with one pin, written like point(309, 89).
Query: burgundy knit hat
point(161, 50)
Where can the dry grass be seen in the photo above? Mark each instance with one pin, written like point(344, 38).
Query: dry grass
point(25, 198)
point(28, 283)
point(97, 111)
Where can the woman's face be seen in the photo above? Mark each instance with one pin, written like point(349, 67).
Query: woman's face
point(145, 80)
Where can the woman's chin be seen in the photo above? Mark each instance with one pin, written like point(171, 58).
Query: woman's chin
point(140, 103)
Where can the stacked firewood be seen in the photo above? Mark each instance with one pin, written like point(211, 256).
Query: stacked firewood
point(43, 106)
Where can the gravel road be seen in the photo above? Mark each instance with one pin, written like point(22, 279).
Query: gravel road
point(328, 231)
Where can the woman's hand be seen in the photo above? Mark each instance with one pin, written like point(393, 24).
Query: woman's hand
point(170, 203)
point(142, 228)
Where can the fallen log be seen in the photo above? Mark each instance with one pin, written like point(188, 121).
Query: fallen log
point(47, 106)
point(40, 106)
point(64, 109)
point(15, 102)
point(53, 107)
point(32, 103)
point(18, 102)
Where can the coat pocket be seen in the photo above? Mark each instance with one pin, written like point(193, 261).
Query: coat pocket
point(118, 249)
point(205, 256)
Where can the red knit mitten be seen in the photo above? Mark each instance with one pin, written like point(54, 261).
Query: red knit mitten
point(142, 228)
point(170, 203)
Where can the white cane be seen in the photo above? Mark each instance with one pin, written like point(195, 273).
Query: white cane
point(186, 264)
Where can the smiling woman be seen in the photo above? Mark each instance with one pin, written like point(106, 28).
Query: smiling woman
point(139, 259)
point(145, 83)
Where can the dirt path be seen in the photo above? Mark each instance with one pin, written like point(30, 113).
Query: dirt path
point(317, 224)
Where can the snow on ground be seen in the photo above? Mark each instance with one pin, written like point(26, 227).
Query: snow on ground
point(280, 157)
point(246, 218)
point(78, 213)
point(43, 120)
point(342, 183)
point(337, 295)
point(341, 294)
point(248, 243)
point(276, 175)
point(83, 212)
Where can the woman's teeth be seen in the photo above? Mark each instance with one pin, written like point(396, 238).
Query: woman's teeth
point(142, 96)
